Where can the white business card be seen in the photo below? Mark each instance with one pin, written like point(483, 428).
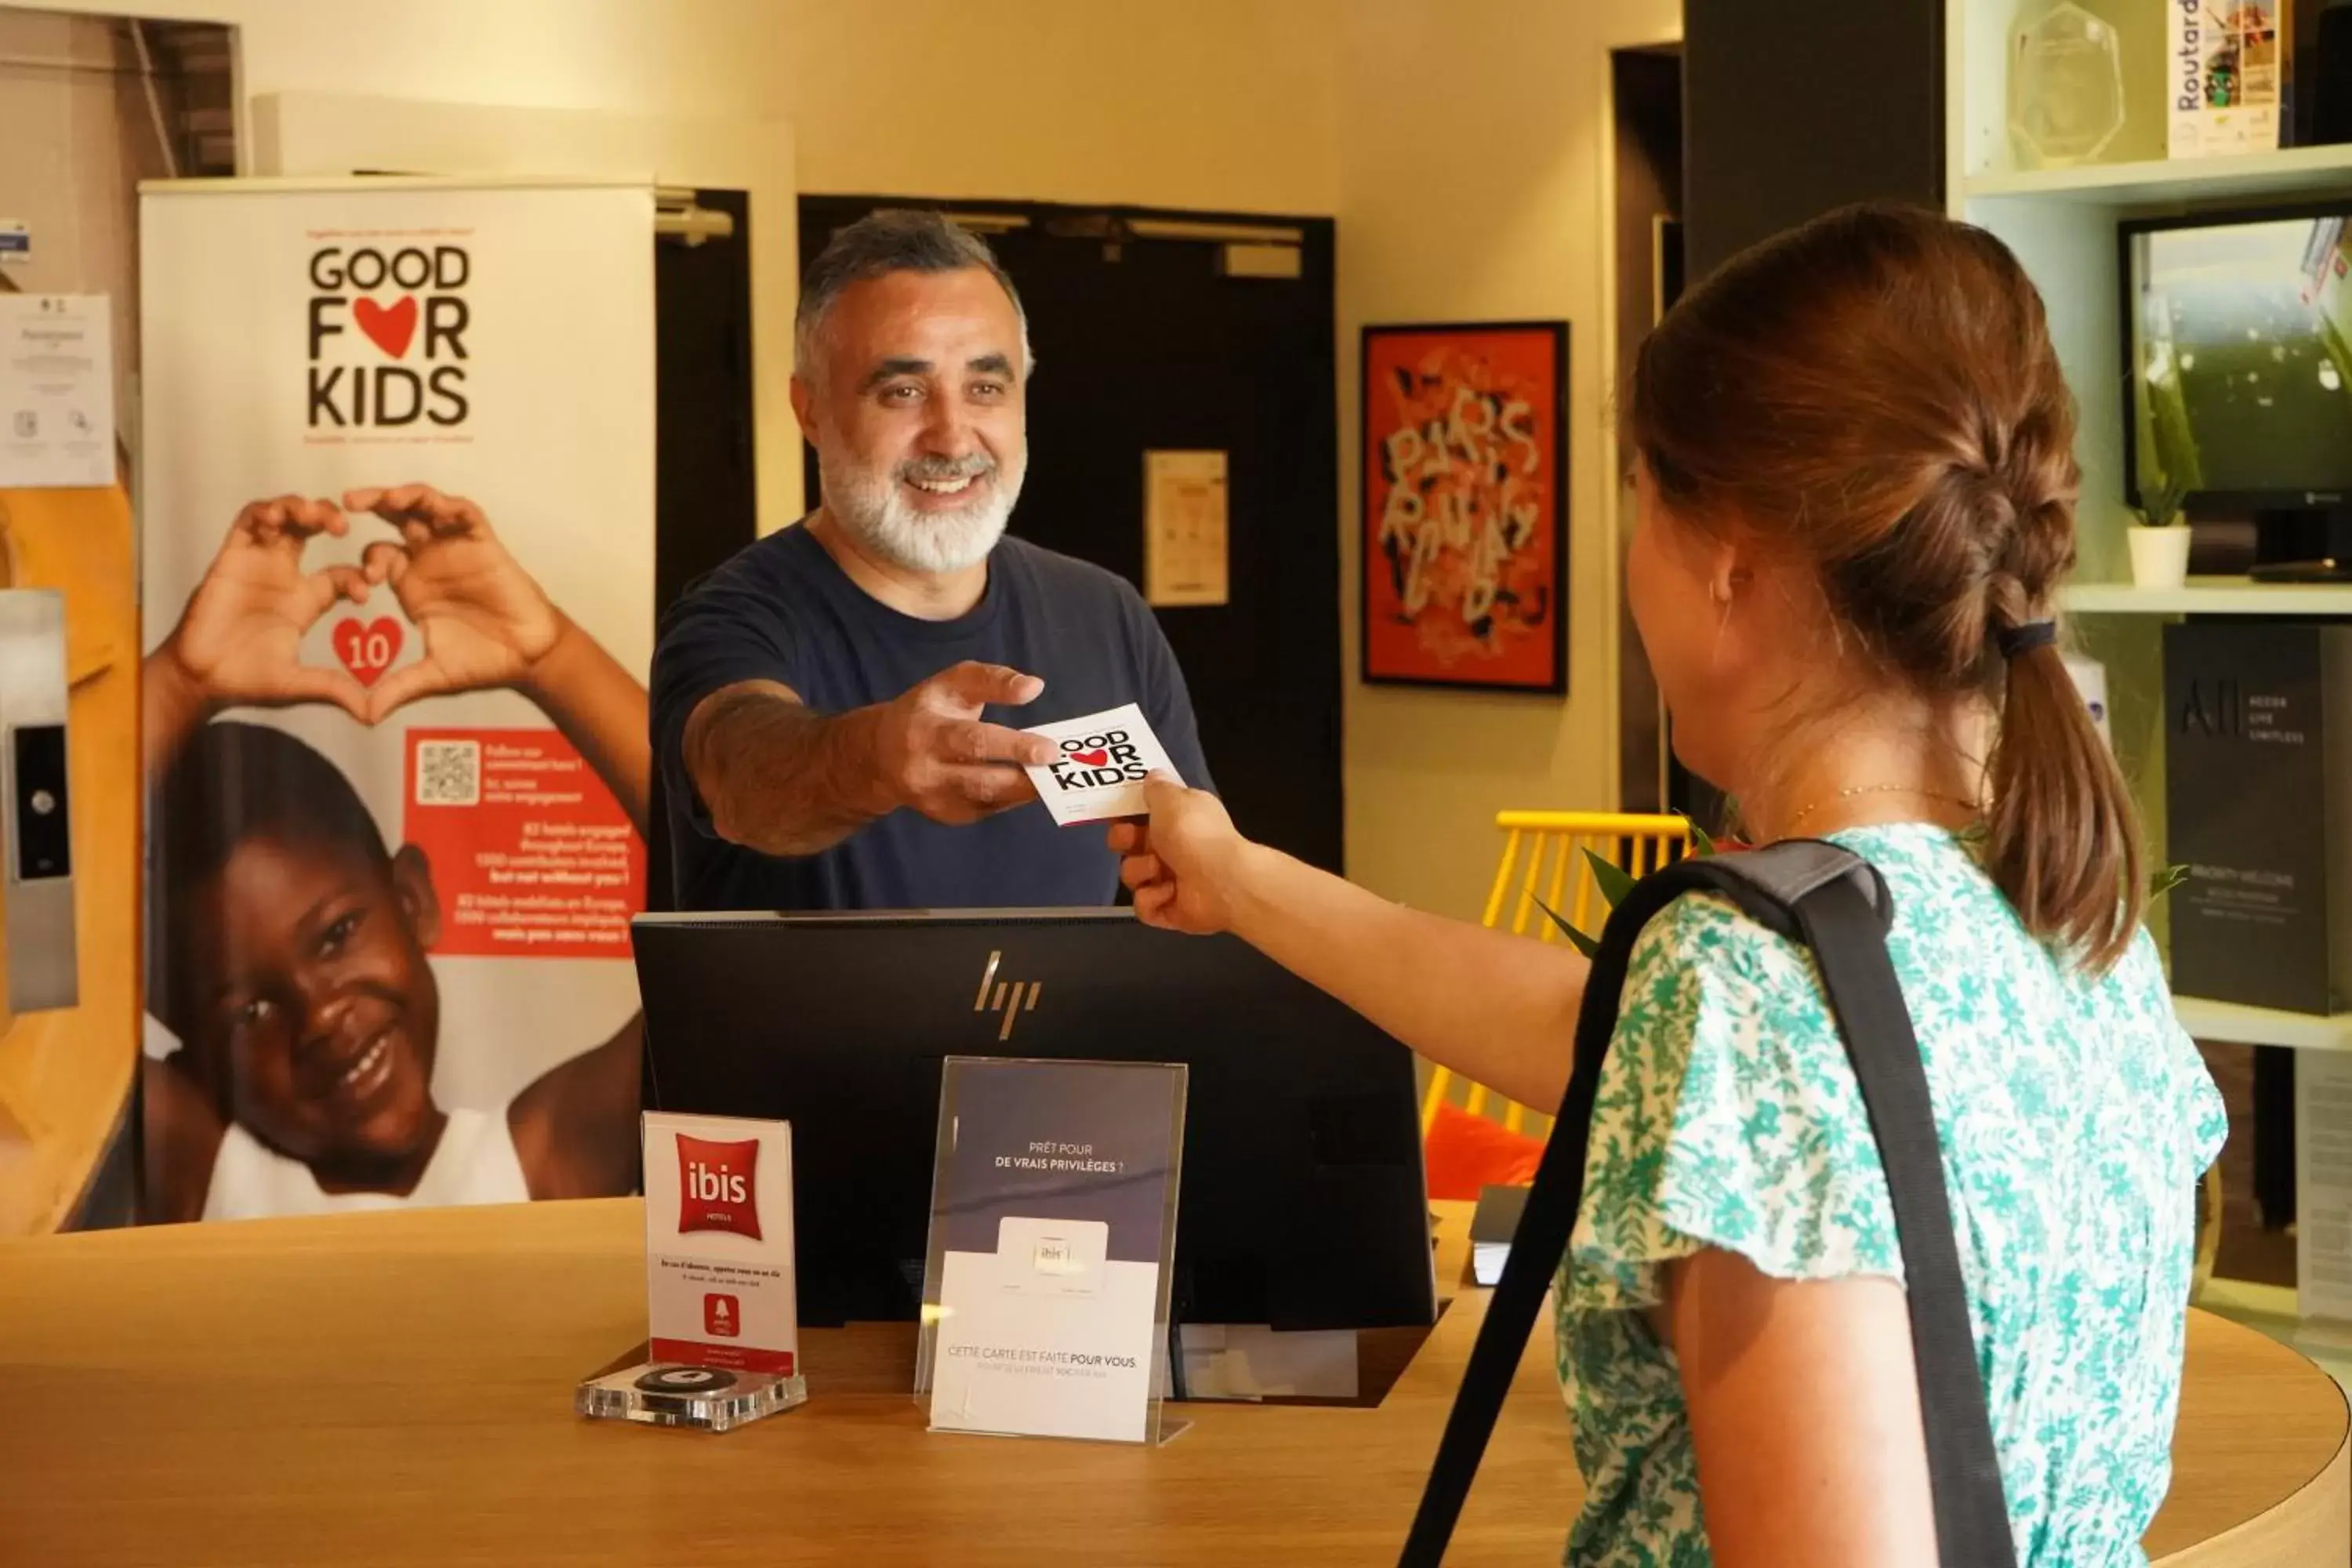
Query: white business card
point(1104, 758)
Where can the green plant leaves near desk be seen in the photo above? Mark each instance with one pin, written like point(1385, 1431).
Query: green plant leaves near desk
point(1616, 882)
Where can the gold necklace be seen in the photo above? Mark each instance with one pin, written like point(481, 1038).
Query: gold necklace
point(1967, 805)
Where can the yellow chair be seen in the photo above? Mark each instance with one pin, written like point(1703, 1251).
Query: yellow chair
point(1545, 850)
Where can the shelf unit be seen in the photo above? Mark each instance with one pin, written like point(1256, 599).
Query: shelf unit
point(2234, 1024)
point(2262, 176)
point(2211, 596)
point(2062, 225)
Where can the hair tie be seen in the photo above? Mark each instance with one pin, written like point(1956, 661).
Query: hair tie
point(2014, 640)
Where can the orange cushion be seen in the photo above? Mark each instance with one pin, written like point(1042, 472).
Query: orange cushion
point(1466, 1153)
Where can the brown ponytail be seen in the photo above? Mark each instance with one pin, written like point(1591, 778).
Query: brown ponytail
point(2061, 834)
point(1878, 391)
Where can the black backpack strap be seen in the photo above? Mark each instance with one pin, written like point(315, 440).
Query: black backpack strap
point(1829, 898)
point(1963, 1466)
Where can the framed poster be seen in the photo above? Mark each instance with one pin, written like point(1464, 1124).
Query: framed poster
point(1466, 505)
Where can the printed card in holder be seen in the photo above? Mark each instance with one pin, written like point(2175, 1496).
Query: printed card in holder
point(1104, 758)
point(1052, 1248)
point(721, 1306)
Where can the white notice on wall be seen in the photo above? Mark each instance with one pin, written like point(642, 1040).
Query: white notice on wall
point(2323, 1184)
point(1184, 528)
point(57, 391)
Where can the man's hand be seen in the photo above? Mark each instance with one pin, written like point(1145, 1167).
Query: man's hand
point(935, 756)
point(779, 779)
point(1187, 864)
point(486, 621)
point(239, 640)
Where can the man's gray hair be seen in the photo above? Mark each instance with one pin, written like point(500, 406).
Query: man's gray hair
point(893, 240)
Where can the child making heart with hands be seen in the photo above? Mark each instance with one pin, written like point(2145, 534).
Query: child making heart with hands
point(288, 957)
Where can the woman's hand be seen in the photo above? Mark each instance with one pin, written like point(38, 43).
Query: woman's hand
point(1187, 865)
point(1497, 1008)
point(486, 621)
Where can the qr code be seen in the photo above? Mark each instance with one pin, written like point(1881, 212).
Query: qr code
point(448, 772)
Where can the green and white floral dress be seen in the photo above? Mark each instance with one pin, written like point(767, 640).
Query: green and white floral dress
point(2075, 1116)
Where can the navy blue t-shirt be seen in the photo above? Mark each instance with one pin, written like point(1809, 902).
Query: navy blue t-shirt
point(783, 610)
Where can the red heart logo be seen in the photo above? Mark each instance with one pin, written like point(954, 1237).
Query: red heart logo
point(1095, 759)
point(392, 326)
point(367, 650)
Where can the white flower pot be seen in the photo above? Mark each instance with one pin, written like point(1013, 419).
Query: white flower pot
point(2160, 556)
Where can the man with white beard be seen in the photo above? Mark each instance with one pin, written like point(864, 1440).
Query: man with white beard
point(833, 709)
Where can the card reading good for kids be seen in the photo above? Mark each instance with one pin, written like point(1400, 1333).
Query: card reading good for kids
point(1105, 759)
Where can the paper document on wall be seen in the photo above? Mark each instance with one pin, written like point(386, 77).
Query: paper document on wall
point(1185, 518)
point(57, 391)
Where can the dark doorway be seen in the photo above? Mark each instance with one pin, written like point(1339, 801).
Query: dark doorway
point(706, 495)
point(706, 503)
point(1191, 331)
point(1646, 96)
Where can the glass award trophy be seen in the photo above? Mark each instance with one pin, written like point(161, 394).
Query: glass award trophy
point(2065, 85)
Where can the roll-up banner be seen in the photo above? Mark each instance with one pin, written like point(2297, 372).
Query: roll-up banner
point(397, 567)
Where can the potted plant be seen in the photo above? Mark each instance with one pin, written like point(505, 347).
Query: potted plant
point(2159, 539)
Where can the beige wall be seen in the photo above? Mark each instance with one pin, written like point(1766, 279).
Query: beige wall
point(77, 143)
point(1211, 103)
point(1458, 141)
point(1218, 104)
point(1205, 103)
point(1472, 154)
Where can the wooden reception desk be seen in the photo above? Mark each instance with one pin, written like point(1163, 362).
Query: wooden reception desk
point(395, 1388)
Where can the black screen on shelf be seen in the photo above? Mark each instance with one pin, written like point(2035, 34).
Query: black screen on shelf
point(2238, 344)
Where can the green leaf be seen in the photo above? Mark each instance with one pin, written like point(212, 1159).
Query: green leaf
point(1584, 944)
point(1615, 881)
point(2160, 502)
point(2165, 879)
point(1701, 842)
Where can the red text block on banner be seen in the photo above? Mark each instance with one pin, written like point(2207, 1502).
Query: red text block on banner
point(531, 854)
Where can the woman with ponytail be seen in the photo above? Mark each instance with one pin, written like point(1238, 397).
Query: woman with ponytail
point(1856, 489)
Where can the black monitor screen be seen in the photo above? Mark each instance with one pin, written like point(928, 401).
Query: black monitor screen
point(2239, 338)
point(1302, 1204)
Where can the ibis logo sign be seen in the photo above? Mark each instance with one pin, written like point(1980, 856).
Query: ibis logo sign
point(718, 1184)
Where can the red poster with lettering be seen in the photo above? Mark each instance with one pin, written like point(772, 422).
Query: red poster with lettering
point(1465, 506)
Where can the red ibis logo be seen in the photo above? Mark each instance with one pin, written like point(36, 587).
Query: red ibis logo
point(718, 1185)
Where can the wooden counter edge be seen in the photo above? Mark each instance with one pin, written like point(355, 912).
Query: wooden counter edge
point(2308, 1526)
